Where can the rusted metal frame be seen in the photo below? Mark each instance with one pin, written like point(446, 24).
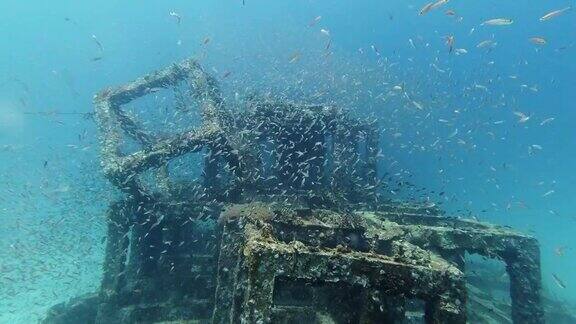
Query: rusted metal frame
point(160, 153)
point(228, 285)
point(523, 267)
point(520, 253)
point(130, 126)
point(118, 219)
point(251, 257)
point(442, 293)
point(123, 170)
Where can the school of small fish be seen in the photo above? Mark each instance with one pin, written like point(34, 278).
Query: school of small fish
point(421, 111)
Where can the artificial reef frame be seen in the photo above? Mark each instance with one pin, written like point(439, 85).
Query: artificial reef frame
point(310, 222)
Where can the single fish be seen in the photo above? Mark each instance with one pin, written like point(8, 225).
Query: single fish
point(417, 105)
point(325, 32)
point(437, 68)
point(523, 117)
point(547, 120)
point(314, 21)
point(450, 12)
point(100, 47)
point(481, 87)
point(498, 22)
point(537, 40)
point(294, 57)
point(439, 3)
point(454, 133)
point(559, 251)
point(154, 90)
point(206, 41)
point(450, 43)
point(486, 44)
point(559, 282)
point(426, 8)
point(460, 51)
point(548, 193)
point(554, 14)
point(176, 16)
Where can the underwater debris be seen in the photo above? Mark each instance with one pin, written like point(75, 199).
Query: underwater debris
point(288, 223)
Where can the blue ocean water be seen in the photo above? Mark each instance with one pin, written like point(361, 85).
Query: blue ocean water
point(477, 114)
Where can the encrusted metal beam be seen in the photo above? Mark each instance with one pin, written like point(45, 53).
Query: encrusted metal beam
point(451, 236)
point(262, 244)
point(123, 170)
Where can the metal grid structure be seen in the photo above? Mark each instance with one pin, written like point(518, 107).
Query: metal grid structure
point(287, 224)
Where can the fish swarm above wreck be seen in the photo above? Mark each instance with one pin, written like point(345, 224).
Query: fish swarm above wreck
point(287, 222)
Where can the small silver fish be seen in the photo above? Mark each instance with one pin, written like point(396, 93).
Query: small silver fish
point(537, 40)
point(177, 16)
point(546, 121)
point(100, 47)
point(559, 282)
point(426, 8)
point(523, 117)
point(314, 21)
point(487, 43)
point(439, 3)
point(417, 105)
point(498, 22)
point(294, 57)
point(554, 13)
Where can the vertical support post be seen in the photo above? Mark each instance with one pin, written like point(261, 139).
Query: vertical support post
point(116, 247)
point(114, 276)
point(372, 147)
point(258, 300)
point(210, 172)
point(346, 160)
point(316, 156)
point(226, 277)
point(523, 267)
point(146, 244)
point(445, 310)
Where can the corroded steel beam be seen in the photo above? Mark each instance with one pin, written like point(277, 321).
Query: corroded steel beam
point(452, 236)
point(123, 170)
point(262, 244)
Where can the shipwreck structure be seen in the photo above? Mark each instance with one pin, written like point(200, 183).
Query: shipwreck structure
point(285, 224)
